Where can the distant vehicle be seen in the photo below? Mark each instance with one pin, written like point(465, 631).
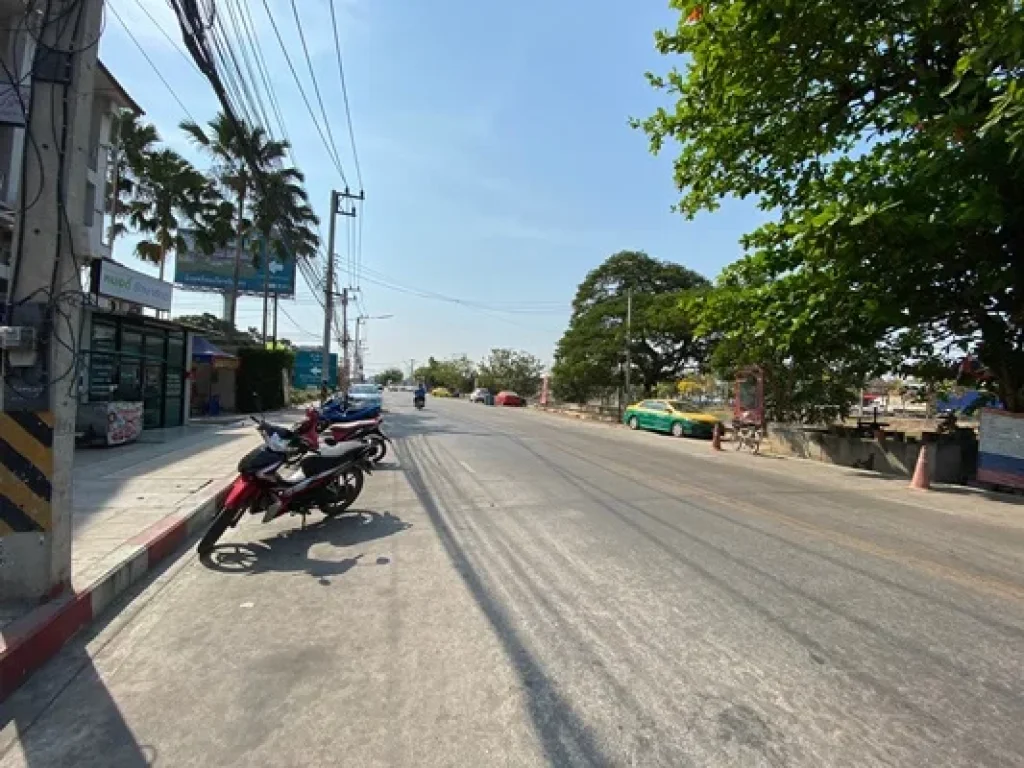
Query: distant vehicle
point(509, 399)
point(440, 392)
point(364, 396)
point(480, 395)
point(677, 417)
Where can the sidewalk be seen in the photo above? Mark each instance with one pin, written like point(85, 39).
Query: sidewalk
point(134, 505)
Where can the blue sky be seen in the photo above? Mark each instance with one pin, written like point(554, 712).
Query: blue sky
point(495, 151)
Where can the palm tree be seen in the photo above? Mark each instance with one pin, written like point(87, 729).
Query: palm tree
point(230, 150)
point(135, 140)
point(285, 222)
point(169, 190)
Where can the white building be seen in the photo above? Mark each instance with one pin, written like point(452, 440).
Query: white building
point(17, 50)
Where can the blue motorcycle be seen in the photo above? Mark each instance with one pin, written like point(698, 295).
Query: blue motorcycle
point(334, 411)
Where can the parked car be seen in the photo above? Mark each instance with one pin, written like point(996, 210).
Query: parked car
point(364, 396)
point(676, 417)
point(480, 395)
point(509, 398)
point(440, 392)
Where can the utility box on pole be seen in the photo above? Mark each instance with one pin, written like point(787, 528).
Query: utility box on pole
point(37, 422)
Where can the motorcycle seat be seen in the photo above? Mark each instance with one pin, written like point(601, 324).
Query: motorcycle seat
point(354, 425)
point(331, 456)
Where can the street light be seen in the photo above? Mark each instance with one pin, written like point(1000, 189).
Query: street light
point(359, 354)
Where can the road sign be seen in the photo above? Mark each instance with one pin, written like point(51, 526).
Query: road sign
point(309, 367)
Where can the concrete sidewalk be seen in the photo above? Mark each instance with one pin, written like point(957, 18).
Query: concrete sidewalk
point(133, 506)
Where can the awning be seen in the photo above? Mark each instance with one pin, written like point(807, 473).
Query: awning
point(205, 352)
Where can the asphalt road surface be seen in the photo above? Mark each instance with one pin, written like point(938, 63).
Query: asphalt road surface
point(526, 590)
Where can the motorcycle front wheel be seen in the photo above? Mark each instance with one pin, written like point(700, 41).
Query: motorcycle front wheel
point(220, 524)
point(380, 449)
point(346, 489)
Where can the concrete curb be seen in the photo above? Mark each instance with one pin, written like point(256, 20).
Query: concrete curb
point(31, 641)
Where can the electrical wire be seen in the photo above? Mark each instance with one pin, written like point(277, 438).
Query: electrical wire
point(316, 85)
point(154, 67)
point(344, 94)
point(174, 43)
point(302, 92)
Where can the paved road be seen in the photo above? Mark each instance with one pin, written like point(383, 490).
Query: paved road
point(523, 590)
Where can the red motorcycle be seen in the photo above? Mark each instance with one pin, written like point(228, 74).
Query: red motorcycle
point(292, 472)
point(367, 429)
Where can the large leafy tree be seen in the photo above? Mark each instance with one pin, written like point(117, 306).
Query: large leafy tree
point(456, 373)
point(591, 354)
point(512, 370)
point(886, 138)
point(390, 376)
point(135, 141)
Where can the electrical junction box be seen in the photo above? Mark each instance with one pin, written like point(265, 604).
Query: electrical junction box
point(17, 338)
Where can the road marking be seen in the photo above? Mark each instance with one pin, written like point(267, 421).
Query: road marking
point(467, 467)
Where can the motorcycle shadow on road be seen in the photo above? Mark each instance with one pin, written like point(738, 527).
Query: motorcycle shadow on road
point(288, 551)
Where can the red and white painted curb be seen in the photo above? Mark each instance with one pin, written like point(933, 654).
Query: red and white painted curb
point(34, 639)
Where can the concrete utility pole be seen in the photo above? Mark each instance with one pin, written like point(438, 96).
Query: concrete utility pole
point(40, 375)
point(336, 210)
point(325, 363)
point(276, 297)
point(232, 302)
point(359, 350)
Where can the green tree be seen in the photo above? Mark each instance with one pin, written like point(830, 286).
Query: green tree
point(591, 354)
point(223, 331)
point(168, 190)
point(512, 370)
point(887, 140)
point(135, 140)
point(230, 150)
point(390, 376)
point(456, 373)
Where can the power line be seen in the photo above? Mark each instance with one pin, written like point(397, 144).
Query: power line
point(302, 92)
point(151, 64)
point(344, 95)
point(162, 31)
point(316, 85)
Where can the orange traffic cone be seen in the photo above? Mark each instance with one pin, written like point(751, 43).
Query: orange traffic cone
point(922, 481)
point(716, 438)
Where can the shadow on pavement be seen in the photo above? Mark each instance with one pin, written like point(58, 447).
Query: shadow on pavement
point(288, 551)
point(564, 737)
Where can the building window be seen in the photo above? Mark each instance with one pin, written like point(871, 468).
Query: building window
point(89, 214)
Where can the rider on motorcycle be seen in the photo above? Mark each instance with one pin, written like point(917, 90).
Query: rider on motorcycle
point(420, 394)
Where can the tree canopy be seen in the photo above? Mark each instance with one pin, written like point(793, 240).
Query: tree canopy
point(590, 355)
point(886, 141)
point(511, 370)
point(388, 377)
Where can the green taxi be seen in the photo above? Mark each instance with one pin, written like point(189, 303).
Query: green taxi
point(676, 417)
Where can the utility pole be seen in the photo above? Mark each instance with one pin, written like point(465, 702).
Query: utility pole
point(276, 297)
point(232, 302)
point(39, 352)
point(325, 363)
point(412, 369)
point(629, 339)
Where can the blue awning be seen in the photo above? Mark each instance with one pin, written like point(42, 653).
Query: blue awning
point(204, 351)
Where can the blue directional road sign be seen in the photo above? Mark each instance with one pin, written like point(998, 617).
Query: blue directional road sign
point(308, 369)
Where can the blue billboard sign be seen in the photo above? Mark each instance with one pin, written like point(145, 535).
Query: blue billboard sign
point(308, 369)
point(197, 270)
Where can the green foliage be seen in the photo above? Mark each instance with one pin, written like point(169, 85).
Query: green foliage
point(590, 355)
point(388, 377)
point(258, 381)
point(886, 140)
point(512, 370)
point(456, 373)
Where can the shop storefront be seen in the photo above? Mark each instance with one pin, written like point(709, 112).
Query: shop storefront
point(133, 358)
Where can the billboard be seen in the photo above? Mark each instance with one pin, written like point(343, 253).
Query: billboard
point(197, 270)
point(308, 368)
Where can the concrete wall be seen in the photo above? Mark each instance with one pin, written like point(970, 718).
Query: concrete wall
point(952, 462)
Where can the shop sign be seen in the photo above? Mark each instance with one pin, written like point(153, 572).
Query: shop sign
point(117, 282)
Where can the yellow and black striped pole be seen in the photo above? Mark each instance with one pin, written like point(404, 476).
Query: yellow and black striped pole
point(26, 472)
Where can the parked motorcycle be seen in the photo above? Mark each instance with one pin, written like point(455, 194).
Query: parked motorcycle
point(335, 412)
point(327, 477)
point(367, 429)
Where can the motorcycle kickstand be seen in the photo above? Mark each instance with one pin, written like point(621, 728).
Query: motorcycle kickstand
point(302, 527)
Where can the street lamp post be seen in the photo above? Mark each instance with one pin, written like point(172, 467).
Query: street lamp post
point(359, 352)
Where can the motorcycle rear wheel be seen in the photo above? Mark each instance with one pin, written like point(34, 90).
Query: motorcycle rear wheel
point(353, 486)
